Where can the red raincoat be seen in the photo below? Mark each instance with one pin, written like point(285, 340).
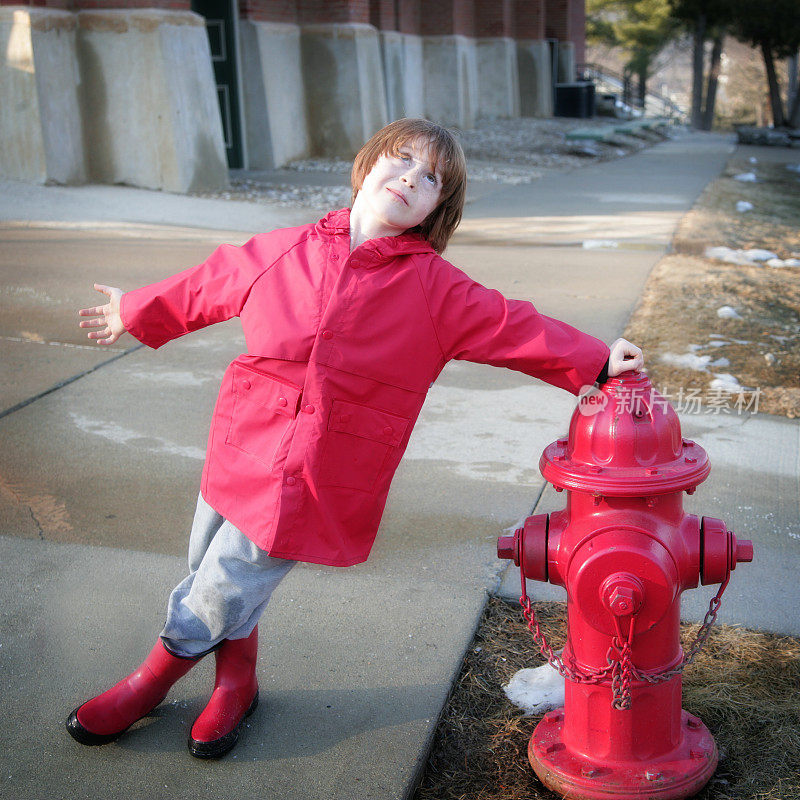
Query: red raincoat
point(312, 421)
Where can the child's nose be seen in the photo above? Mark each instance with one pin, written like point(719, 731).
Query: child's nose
point(410, 177)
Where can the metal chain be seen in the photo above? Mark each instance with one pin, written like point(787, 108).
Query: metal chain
point(624, 673)
point(620, 668)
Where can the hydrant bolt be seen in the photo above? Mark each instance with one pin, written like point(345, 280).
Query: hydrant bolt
point(622, 594)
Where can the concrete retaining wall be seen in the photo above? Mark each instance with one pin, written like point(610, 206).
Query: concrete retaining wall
point(498, 81)
point(129, 96)
point(149, 104)
point(344, 86)
point(535, 83)
point(451, 80)
point(403, 74)
point(566, 62)
point(40, 127)
point(276, 125)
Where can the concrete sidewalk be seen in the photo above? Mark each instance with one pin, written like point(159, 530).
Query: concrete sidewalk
point(97, 480)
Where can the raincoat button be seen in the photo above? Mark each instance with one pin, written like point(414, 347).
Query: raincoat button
point(246, 384)
point(327, 334)
point(282, 401)
point(388, 431)
point(291, 481)
point(309, 409)
point(334, 257)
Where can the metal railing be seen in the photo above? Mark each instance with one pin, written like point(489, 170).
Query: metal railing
point(654, 103)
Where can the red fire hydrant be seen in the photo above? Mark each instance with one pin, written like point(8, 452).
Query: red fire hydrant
point(624, 549)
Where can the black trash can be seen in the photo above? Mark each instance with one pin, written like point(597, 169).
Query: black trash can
point(574, 100)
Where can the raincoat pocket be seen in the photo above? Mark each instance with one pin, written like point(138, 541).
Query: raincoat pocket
point(263, 410)
point(360, 443)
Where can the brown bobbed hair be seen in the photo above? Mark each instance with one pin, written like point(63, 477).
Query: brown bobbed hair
point(446, 154)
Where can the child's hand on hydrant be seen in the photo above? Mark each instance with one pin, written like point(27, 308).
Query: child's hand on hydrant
point(624, 356)
point(107, 317)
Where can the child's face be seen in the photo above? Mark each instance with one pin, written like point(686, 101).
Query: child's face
point(401, 191)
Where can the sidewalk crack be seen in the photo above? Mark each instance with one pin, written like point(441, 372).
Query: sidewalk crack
point(68, 381)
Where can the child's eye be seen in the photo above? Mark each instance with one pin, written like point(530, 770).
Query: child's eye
point(404, 156)
point(431, 178)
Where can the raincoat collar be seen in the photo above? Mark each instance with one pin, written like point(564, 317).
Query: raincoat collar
point(374, 252)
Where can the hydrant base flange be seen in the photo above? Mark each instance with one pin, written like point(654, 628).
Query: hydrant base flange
point(574, 777)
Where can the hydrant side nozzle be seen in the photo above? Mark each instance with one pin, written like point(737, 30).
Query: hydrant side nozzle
point(721, 551)
point(508, 547)
point(741, 550)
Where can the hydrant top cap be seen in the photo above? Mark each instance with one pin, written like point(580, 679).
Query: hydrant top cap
point(625, 442)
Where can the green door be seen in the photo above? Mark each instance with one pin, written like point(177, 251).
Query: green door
point(220, 26)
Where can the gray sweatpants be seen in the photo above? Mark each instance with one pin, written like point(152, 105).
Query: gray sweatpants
point(229, 584)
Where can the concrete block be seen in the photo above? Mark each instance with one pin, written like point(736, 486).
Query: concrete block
point(148, 96)
point(566, 63)
point(344, 86)
point(498, 78)
point(276, 125)
point(41, 137)
point(535, 78)
point(451, 80)
point(402, 69)
point(21, 144)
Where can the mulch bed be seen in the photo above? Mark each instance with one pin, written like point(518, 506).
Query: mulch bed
point(745, 686)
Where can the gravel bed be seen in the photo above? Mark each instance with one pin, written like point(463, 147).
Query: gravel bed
point(505, 151)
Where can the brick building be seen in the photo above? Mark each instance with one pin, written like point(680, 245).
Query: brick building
point(167, 94)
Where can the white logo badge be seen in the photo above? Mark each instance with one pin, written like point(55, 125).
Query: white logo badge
point(591, 400)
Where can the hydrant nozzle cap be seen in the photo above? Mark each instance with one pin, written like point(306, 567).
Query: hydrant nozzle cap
point(744, 551)
point(507, 547)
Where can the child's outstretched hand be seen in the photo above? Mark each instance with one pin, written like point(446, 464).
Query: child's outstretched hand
point(107, 317)
point(624, 356)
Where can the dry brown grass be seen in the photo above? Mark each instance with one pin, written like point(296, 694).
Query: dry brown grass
point(677, 313)
point(744, 685)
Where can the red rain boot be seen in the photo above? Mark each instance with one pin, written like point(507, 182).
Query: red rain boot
point(235, 698)
point(104, 718)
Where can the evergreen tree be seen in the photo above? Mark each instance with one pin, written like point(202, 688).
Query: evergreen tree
point(641, 28)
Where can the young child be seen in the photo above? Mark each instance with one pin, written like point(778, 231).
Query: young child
point(348, 322)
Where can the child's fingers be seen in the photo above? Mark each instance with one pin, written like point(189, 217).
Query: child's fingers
point(91, 323)
point(106, 290)
point(99, 334)
point(88, 312)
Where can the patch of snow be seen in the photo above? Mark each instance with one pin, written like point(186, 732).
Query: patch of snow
point(718, 343)
point(743, 257)
point(536, 690)
point(687, 361)
point(721, 362)
point(743, 205)
point(725, 382)
point(753, 160)
point(793, 167)
point(769, 358)
point(746, 177)
point(727, 312)
point(600, 244)
point(780, 263)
